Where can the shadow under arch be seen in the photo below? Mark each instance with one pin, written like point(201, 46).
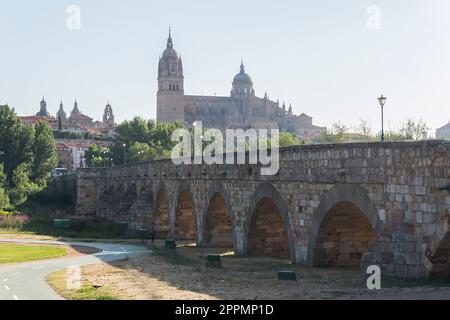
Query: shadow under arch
point(217, 189)
point(351, 194)
point(262, 192)
point(161, 212)
point(437, 254)
point(184, 215)
point(127, 200)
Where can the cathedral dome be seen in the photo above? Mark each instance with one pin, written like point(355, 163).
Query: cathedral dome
point(242, 84)
point(242, 77)
point(170, 52)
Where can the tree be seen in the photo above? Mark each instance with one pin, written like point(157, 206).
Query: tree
point(13, 138)
point(365, 130)
point(140, 151)
point(21, 186)
point(337, 134)
point(27, 156)
point(156, 135)
point(289, 139)
point(4, 200)
point(44, 153)
point(414, 130)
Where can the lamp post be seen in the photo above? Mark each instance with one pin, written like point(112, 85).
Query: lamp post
point(382, 101)
point(106, 159)
point(93, 162)
point(124, 154)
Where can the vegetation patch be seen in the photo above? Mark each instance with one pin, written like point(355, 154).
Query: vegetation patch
point(12, 253)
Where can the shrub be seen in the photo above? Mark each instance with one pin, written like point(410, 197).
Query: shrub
point(12, 221)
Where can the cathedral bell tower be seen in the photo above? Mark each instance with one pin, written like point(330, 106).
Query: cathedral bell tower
point(170, 97)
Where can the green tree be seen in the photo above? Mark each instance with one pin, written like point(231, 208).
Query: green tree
point(21, 186)
point(44, 153)
point(140, 151)
point(14, 141)
point(289, 139)
point(27, 156)
point(365, 130)
point(4, 199)
point(414, 130)
point(156, 135)
point(97, 157)
point(337, 134)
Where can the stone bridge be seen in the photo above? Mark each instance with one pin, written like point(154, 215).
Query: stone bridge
point(338, 205)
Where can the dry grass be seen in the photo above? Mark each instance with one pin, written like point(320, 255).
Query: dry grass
point(181, 274)
point(58, 281)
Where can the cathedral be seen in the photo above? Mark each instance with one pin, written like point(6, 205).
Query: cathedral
point(76, 119)
point(242, 109)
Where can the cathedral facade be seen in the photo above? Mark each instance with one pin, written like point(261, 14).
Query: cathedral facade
point(242, 109)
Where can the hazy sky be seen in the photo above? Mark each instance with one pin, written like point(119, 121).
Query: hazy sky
point(320, 55)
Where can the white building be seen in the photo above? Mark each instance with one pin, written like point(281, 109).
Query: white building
point(443, 132)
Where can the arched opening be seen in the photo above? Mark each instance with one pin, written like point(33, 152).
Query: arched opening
point(441, 260)
point(185, 224)
point(267, 233)
point(161, 218)
point(218, 230)
point(344, 235)
point(437, 255)
point(127, 201)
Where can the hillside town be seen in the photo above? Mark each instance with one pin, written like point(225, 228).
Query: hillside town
point(74, 133)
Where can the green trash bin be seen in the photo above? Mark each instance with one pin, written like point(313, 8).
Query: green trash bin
point(123, 225)
point(61, 223)
point(213, 261)
point(142, 234)
point(287, 275)
point(170, 244)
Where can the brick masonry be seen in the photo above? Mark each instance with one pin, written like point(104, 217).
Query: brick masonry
point(325, 197)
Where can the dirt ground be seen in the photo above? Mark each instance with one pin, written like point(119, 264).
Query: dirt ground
point(181, 274)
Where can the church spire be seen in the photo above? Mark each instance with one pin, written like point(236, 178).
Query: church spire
point(169, 40)
point(242, 66)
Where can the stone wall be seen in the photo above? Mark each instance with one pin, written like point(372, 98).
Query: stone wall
point(395, 186)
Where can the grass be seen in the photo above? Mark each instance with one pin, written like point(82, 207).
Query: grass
point(12, 253)
point(58, 281)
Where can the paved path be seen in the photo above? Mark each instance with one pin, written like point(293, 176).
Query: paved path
point(25, 281)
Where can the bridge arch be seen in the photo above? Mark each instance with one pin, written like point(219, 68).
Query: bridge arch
point(267, 218)
point(127, 201)
point(343, 226)
point(437, 254)
point(161, 215)
point(185, 218)
point(217, 219)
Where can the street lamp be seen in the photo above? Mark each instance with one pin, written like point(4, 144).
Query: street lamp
point(124, 154)
point(93, 162)
point(382, 101)
point(106, 159)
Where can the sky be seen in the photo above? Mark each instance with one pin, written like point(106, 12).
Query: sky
point(330, 59)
